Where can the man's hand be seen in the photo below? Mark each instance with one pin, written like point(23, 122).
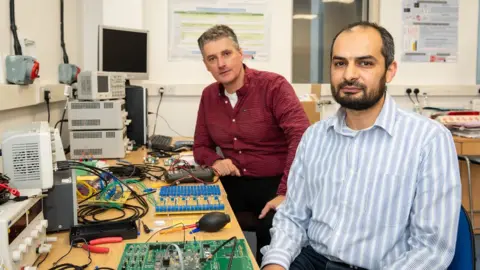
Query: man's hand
point(272, 205)
point(225, 167)
point(273, 267)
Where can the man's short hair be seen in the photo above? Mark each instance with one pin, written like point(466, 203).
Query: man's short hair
point(388, 46)
point(215, 33)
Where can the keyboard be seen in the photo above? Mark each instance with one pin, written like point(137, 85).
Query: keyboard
point(161, 142)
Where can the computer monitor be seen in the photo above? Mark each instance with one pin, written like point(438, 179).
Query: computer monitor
point(123, 50)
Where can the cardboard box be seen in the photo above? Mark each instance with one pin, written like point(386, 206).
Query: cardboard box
point(309, 104)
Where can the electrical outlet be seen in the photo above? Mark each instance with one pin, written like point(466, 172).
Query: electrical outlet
point(170, 90)
point(41, 94)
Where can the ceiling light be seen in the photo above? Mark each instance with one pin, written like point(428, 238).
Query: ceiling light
point(305, 16)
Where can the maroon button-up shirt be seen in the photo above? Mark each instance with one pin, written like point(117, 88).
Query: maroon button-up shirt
point(260, 135)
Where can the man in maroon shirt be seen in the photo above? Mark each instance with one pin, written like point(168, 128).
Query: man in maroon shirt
point(257, 121)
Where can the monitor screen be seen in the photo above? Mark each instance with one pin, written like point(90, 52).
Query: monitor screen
point(123, 50)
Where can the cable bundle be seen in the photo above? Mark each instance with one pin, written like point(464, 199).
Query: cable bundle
point(88, 214)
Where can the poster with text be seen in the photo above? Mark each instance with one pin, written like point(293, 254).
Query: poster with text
point(188, 19)
point(430, 31)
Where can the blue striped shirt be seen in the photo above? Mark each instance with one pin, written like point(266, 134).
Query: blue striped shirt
point(386, 197)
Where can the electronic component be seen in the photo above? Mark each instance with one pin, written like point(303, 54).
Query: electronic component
point(96, 85)
point(161, 142)
point(60, 205)
point(96, 115)
point(181, 176)
point(67, 73)
point(123, 50)
point(189, 199)
point(21, 69)
point(136, 101)
point(22, 230)
point(98, 144)
point(125, 229)
point(30, 153)
point(194, 255)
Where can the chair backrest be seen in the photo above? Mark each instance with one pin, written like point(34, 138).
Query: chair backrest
point(464, 258)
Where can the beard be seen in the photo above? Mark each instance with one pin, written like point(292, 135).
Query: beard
point(365, 101)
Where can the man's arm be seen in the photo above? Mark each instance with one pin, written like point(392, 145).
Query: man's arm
point(292, 218)
point(203, 146)
point(292, 119)
point(436, 207)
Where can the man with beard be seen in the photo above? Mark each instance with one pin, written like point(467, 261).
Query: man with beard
point(373, 187)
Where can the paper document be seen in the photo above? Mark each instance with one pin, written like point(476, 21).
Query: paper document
point(188, 19)
point(430, 30)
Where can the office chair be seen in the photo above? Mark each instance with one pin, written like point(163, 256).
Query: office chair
point(464, 258)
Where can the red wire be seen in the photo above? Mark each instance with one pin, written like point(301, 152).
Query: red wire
point(12, 191)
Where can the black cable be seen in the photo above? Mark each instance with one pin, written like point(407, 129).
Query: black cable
point(60, 122)
point(232, 254)
point(48, 109)
point(63, 118)
point(156, 117)
point(142, 195)
point(16, 43)
point(65, 266)
point(44, 258)
point(62, 35)
point(138, 211)
point(222, 245)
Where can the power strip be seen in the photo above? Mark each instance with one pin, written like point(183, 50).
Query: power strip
point(181, 176)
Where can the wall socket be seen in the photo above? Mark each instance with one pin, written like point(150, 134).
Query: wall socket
point(168, 90)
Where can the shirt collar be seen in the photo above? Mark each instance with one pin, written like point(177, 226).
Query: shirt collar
point(246, 81)
point(385, 120)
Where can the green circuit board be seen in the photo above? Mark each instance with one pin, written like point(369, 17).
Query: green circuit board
point(164, 256)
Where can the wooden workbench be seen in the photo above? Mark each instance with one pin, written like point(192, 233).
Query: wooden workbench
point(78, 256)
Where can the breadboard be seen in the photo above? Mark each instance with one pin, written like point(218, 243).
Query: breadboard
point(189, 200)
point(151, 256)
point(119, 199)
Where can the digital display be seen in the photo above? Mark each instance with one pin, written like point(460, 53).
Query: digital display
point(34, 211)
point(102, 84)
point(124, 51)
point(17, 228)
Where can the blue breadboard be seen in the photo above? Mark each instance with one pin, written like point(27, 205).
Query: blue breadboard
point(189, 199)
point(190, 190)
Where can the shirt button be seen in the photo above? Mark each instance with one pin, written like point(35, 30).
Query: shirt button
point(226, 102)
point(239, 152)
point(235, 138)
point(244, 170)
point(233, 120)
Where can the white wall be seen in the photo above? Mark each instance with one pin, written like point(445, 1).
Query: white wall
point(39, 21)
point(461, 73)
point(180, 110)
point(156, 20)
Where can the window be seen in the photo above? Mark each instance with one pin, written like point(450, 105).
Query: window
point(315, 23)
